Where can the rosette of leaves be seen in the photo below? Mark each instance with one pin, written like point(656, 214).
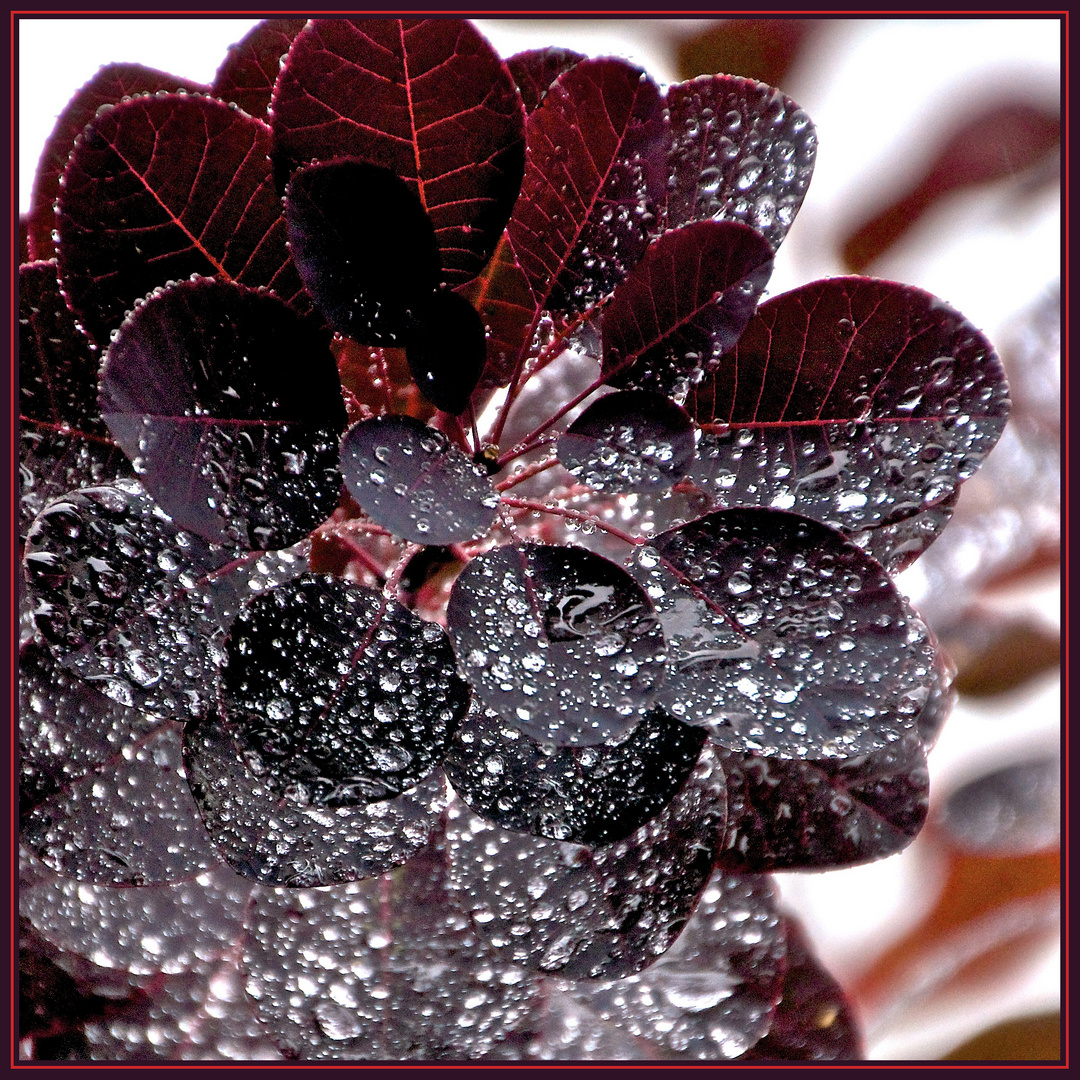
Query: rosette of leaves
point(451, 587)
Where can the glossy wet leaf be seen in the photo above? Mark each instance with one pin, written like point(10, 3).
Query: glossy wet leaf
point(336, 696)
point(629, 441)
point(786, 639)
point(561, 909)
point(109, 86)
point(589, 795)
point(740, 151)
point(428, 99)
point(534, 70)
point(268, 839)
point(247, 74)
point(63, 443)
point(364, 246)
point(446, 349)
point(102, 796)
point(558, 641)
point(129, 601)
point(243, 449)
point(408, 478)
point(684, 305)
point(591, 183)
point(158, 189)
point(853, 401)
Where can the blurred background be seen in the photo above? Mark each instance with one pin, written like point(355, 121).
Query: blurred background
point(938, 166)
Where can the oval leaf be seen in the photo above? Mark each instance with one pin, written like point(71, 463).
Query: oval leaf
point(557, 640)
point(428, 99)
point(446, 350)
point(358, 707)
point(247, 75)
point(534, 70)
point(408, 478)
point(243, 449)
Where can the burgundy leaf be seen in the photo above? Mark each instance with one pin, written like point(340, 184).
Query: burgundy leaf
point(790, 641)
point(588, 795)
point(740, 151)
point(853, 401)
point(130, 602)
point(556, 640)
point(629, 441)
point(428, 99)
point(591, 183)
point(266, 838)
point(359, 707)
point(446, 350)
point(408, 478)
point(761, 49)
point(243, 450)
point(102, 796)
point(684, 305)
point(63, 443)
point(247, 75)
point(111, 85)
point(364, 246)
point(534, 70)
point(158, 189)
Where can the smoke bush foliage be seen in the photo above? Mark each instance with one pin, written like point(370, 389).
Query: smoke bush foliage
point(450, 588)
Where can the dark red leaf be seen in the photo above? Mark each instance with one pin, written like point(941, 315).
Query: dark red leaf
point(740, 151)
point(111, 85)
point(592, 179)
point(534, 70)
point(428, 99)
point(247, 75)
point(446, 350)
point(761, 49)
point(158, 189)
point(409, 479)
point(853, 401)
point(243, 450)
point(557, 640)
point(684, 305)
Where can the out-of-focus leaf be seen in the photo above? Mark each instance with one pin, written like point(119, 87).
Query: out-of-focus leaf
point(534, 70)
point(158, 189)
point(247, 75)
point(995, 655)
point(1032, 1038)
point(428, 99)
point(242, 451)
point(1000, 141)
point(111, 85)
point(760, 49)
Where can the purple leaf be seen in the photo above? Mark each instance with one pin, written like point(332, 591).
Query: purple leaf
point(786, 638)
point(247, 75)
point(684, 305)
point(856, 402)
point(589, 795)
point(102, 796)
point(534, 70)
point(591, 181)
point(158, 189)
point(63, 443)
point(408, 478)
point(358, 707)
point(241, 451)
point(266, 838)
point(557, 640)
point(446, 350)
point(629, 441)
point(428, 99)
point(364, 246)
point(111, 85)
point(740, 151)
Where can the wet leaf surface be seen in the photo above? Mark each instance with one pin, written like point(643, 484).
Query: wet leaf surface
point(269, 839)
point(247, 74)
point(446, 350)
point(589, 795)
point(629, 441)
point(558, 641)
point(856, 402)
point(242, 451)
point(684, 305)
point(740, 151)
point(409, 479)
point(158, 189)
point(428, 99)
point(534, 70)
point(785, 638)
point(358, 706)
point(591, 183)
point(135, 605)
